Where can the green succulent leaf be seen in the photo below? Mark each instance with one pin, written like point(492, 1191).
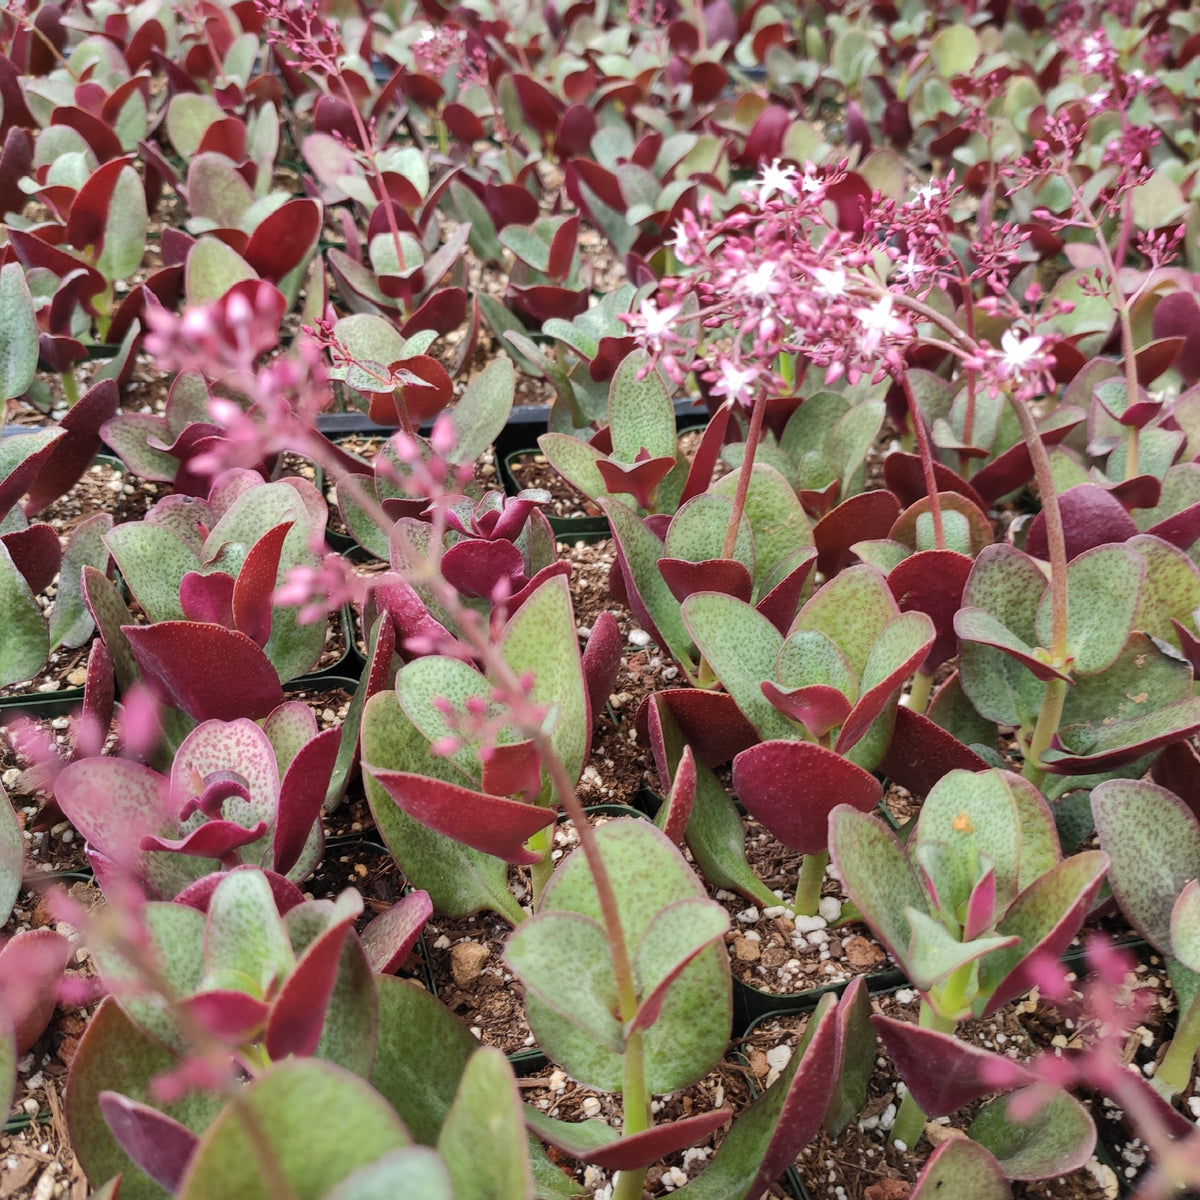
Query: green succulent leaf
point(487, 1113)
point(563, 958)
point(962, 1164)
point(742, 647)
point(647, 873)
point(1152, 840)
point(320, 1123)
point(1056, 1139)
point(24, 643)
point(459, 880)
point(776, 516)
point(640, 412)
point(245, 943)
point(413, 1171)
point(852, 609)
point(1185, 926)
point(18, 334)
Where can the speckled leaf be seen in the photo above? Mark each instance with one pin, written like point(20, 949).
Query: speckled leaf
point(563, 959)
point(245, 943)
point(647, 873)
point(415, 1171)
point(1144, 678)
point(301, 794)
point(1103, 590)
point(540, 637)
point(124, 239)
point(212, 268)
point(153, 561)
point(487, 1113)
point(1045, 917)
point(115, 1054)
point(71, 624)
point(289, 728)
point(18, 336)
point(770, 1134)
point(654, 605)
point(877, 876)
point(426, 680)
point(934, 953)
point(1056, 1139)
point(899, 649)
point(31, 968)
point(12, 855)
point(575, 461)
point(1153, 842)
point(678, 932)
point(459, 880)
point(742, 647)
point(1094, 747)
point(1171, 588)
point(975, 814)
point(320, 1122)
point(176, 937)
point(23, 640)
point(960, 1165)
point(640, 412)
point(776, 516)
point(482, 410)
point(1185, 926)
point(852, 609)
point(423, 1050)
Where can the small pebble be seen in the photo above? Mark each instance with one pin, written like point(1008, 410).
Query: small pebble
point(639, 637)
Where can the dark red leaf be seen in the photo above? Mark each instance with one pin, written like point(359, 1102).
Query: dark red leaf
point(602, 661)
point(1091, 516)
point(210, 672)
point(1177, 315)
point(207, 598)
point(442, 311)
point(640, 480)
point(537, 303)
point(255, 587)
point(673, 821)
point(282, 240)
point(514, 769)
point(708, 80)
point(301, 794)
point(714, 575)
point(198, 895)
point(1181, 529)
point(818, 707)
point(463, 124)
point(98, 135)
point(943, 1072)
point(904, 476)
point(474, 567)
point(214, 839)
point(32, 251)
point(542, 109)
point(157, 1143)
point(71, 455)
point(780, 603)
point(424, 397)
point(36, 553)
point(14, 112)
point(792, 787)
point(639, 1150)
point(563, 247)
point(932, 582)
point(1013, 468)
point(510, 204)
point(764, 142)
point(575, 130)
point(709, 721)
point(298, 1012)
point(861, 518)
point(31, 965)
point(491, 824)
point(232, 1016)
point(16, 161)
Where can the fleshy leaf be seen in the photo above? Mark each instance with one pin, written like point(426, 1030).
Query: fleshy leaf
point(943, 1072)
point(320, 1121)
point(388, 940)
point(961, 1164)
point(1056, 1139)
point(1185, 926)
point(491, 824)
point(792, 787)
point(31, 967)
point(487, 1112)
point(12, 855)
point(245, 944)
point(413, 1171)
point(1153, 843)
point(158, 1144)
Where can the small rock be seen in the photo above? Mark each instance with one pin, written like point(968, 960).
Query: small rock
point(746, 950)
point(888, 1189)
point(78, 677)
point(466, 962)
point(862, 954)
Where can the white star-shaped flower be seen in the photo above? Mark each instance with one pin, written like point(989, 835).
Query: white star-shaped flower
point(776, 178)
point(830, 281)
point(1017, 352)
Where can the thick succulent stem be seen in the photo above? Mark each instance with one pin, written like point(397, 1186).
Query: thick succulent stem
point(1175, 1071)
point(808, 886)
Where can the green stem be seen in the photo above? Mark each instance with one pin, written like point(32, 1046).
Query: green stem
point(920, 691)
point(1175, 1070)
point(540, 871)
point(808, 886)
point(70, 387)
point(635, 1100)
point(1049, 718)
